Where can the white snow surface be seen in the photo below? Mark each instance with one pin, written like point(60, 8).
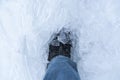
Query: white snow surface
point(27, 25)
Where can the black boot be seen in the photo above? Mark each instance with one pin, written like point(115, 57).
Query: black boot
point(57, 47)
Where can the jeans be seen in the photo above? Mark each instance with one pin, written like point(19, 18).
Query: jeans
point(62, 68)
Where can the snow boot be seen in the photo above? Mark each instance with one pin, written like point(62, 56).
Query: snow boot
point(60, 45)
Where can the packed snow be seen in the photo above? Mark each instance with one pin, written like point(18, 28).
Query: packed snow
point(26, 27)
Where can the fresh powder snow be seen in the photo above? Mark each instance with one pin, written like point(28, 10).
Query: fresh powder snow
point(26, 27)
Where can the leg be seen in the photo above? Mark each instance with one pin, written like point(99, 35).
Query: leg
point(62, 68)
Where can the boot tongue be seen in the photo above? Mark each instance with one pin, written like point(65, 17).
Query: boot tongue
point(64, 36)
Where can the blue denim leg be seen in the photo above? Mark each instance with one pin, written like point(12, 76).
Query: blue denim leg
point(62, 68)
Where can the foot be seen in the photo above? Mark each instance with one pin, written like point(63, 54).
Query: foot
point(58, 47)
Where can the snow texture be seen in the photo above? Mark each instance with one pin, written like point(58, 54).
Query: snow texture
point(27, 25)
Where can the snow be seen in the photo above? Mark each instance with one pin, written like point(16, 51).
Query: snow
point(27, 25)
